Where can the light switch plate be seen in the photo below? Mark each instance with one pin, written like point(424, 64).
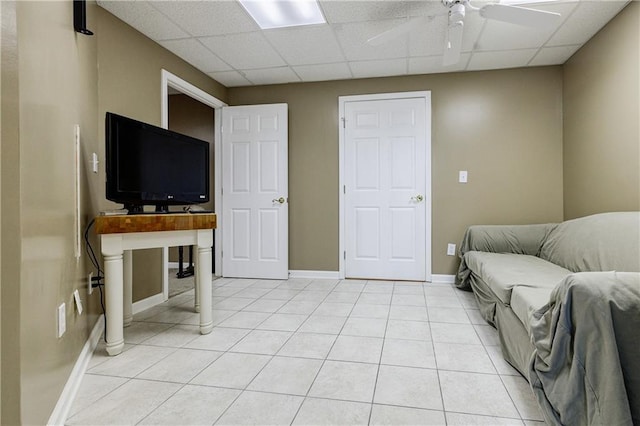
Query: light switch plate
point(462, 176)
point(62, 319)
point(76, 298)
point(451, 249)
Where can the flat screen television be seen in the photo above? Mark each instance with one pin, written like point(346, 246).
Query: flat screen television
point(148, 165)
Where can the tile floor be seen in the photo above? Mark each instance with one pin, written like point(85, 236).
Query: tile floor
point(309, 352)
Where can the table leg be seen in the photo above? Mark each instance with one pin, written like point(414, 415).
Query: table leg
point(113, 277)
point(127, 301)
point(204, 288)
point(196, 301)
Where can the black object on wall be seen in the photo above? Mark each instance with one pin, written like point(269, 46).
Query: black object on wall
point(80, 17)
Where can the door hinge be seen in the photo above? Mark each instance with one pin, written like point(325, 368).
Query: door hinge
point(221, 191)
point(344, 120)
point(344, 256)
point(344, 189)
point(221, 253)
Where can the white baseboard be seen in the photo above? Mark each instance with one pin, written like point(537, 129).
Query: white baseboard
point(443, 279)
point(176, 265)
point(70, 390)
point(326, 275)
point(149, 302)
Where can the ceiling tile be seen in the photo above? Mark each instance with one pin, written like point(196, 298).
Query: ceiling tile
point(143, 17)
point(323, 72)
point(500, 59)
point(192, 51)
point(244, 51)
point(353, 40)
point(306, 45)
point(229, 78)
point(207, 18)
point(277, 75)
point(588, 18)
point(429, 38)
point(360, 11)
point(554, 55)
point(433, 64)
point(381, 68)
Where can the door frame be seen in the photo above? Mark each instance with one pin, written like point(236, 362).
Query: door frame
point(171, 80)
point(342, 100)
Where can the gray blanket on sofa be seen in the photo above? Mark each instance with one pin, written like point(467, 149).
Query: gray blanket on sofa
point(587, 357)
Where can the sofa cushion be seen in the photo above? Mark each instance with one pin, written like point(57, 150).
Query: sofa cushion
point(601, 242)
point(525, 300)
point(503, 271)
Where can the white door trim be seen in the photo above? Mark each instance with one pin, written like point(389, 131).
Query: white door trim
point(342, 100)
point(171, 80)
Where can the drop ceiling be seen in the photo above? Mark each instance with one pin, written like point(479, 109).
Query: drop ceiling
point(219, 38)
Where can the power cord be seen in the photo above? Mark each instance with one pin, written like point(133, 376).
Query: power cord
point(96, 281)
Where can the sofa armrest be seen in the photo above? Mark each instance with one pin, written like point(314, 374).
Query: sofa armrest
point(516, 239)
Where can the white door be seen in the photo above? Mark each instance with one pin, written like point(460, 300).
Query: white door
point(255, 241)
point(386, 195)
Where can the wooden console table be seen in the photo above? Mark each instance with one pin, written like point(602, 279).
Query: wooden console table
point(121, 234)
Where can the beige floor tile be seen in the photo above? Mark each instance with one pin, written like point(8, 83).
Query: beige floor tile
point(220, 339)
point(450, 315)
point(345, 381)
point(474, 393)
point(369, 327)
point(245, 320)
point(387, 415)
point(128, 404)
point(357, 349)
point(408, 353)
point(176, 336)
point(408, 387)
point(459, 419)
point(181, 366)
point(328, 412)
point(232, 370)
point(323, 324)
point(292, 376)
point(523, 397)
point(408, 330)
point(461, 357)
point(259, 408)
point(283, 322)
point(132, 362)
point(192, 405)
point(265, 342)
point(408, 313)
point(454, 333)
point(92, 388)
point(308, 345)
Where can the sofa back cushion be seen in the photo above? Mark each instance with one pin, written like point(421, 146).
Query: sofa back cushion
point(601, 242)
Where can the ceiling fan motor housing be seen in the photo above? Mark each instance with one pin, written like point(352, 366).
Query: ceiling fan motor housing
point(456, 10)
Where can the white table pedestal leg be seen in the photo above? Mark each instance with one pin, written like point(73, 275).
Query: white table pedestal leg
point(127, 301)
point(196, 302)
point(113, 287)
point(204, 285)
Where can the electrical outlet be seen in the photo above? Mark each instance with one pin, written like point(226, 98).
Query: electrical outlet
point(462, 176)
point(62, 319)
point(451, 249)
point(90, 290)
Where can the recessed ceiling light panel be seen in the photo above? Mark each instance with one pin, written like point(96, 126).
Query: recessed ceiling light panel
point(283, 13)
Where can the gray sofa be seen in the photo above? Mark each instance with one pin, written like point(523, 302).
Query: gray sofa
point(565, 300)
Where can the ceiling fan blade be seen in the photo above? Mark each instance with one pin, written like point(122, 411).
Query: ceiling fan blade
point(520, 15)
point(453, 45)
point(396, 31)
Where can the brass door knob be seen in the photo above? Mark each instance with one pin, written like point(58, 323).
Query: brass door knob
point(280, 200)
point(418, 198)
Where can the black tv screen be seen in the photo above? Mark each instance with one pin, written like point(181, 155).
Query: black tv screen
point(148, 165)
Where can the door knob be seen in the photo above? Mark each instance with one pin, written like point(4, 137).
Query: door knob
point(280, 200)
point(417, 198)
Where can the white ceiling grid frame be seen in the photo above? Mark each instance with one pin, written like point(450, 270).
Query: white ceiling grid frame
point(189, 29)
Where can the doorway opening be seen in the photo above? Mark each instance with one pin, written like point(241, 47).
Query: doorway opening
point(186, 93)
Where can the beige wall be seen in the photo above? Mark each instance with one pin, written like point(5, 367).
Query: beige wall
point(49, 85)
point(193, 118)
point(503, 127)
point(601, 120)
point(50, 82)
point(129, 84)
